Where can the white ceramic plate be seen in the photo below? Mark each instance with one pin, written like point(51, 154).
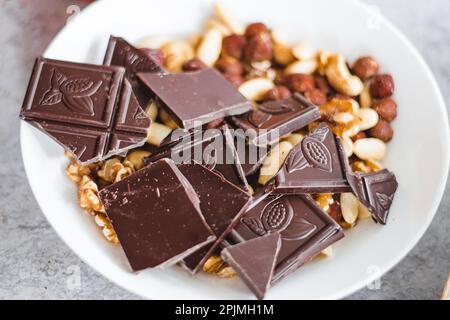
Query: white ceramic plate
point(419, 153)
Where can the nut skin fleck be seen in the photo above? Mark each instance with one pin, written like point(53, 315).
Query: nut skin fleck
point(383, 131)
point(300, 83)
point(259, 48)
point(382, 86)
point(365, 68)
point(335, 212)
point(256, 29)
point(234, 79)
point(386, 109)
point(278, 93)
point(316, 96)
point(229, 65)
point(194, 64)
point(233, 46)
point(323, 85)
point(359, 135)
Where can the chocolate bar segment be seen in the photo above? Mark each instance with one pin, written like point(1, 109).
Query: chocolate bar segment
point(254, 261)
point(274, 119)
point(316, 165)
point(304, 228)
point(88, 109)
point(134, 60)
point(222, 204)
point(193, 98)
point(376, 191)
point(156, 215)
point(213, 148)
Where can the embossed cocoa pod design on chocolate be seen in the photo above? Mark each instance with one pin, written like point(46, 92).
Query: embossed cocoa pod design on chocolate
point(275, 107)
point(384, 200)
point(255, 225)
point(258, 118)
point(277, 215)
point(74, 91)
point(311, 152)
point(316, 153)
point(136, 63)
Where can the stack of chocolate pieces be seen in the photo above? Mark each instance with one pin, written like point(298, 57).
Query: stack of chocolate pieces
point(194, 196)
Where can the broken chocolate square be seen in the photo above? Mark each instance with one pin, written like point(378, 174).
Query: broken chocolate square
point(213, 148)
point(88, 109)
point(316, 165)
point(274, 119)
point(222, 203)
point(376, 191)
point(156, 215)
point(196, 98)
point(254, 261)
point(304, 228)
point(134, 60)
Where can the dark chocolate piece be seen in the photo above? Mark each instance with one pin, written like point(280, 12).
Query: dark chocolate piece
point(88, 109)
point(305, 229)
point(213, 148)
point(222, 204)
point(376, 191)
point(316, 165)
point(254, 261)
point(250, 156)
point(196, 98)
point(121, 53)
point(274, 119)
point(156, 215)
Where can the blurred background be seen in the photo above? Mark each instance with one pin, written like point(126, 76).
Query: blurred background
point(36, 264)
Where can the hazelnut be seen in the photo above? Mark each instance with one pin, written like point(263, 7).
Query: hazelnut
point(300, 82)
point(258, 49)
point(365, 68)
point(382, 86)
point(359, 135)
point(233, 46)
point(235, 79)
point(335, 212)
point(386, 109)
point(316, 96)
point(256, 30)
point(383, 131)
point(278, 93)
point(214, 124)
point(229, 65)
point(322, 84)
point(194, 64)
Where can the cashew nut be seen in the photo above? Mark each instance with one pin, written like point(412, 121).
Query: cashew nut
point(176, 53)
point(304, 66)
point(363, 212)
point(349, 207)
point(167, 120)
point(274, 161)
point(216, 24)
point(228, 20)
point(368, 118)
point(255, 89)
point(365, 99)
point(340, 77)
point(136, 158)
point(152, 110)
point(370, 149)
point(157, 133)
point(153, 42)
point(210, 47)
point(304, 51)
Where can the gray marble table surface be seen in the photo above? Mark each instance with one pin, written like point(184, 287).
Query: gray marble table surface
point(36, 264)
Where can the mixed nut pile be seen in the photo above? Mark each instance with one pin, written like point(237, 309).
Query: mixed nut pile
point(331, 96)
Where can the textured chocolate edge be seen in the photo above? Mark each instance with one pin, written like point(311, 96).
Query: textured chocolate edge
point(221, 238)
point(228, 258)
